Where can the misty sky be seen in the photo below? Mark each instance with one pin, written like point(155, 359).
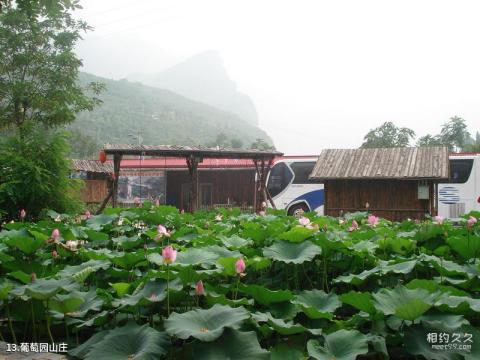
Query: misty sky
point(321, 73)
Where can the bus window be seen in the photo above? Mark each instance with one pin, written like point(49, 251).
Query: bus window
point(280, 177)
point(460, 170)
point(302, 171)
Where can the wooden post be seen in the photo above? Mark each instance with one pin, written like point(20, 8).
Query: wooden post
point(116, 173)
point(262, 171)
point(192, 163)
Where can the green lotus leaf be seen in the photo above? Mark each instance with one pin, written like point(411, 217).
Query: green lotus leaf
point(152, 292)
point(379, 345)
point(96, 254)
point(5, 287)
point(221, 251)
point(127, 243)
point(41, 289)
point(459, 303)
point(97, 222)
point(235, 242)
point(21, 276)
point(232, 345)
point(66, 303)
point(81, 272)
point(339, 345)
point(258, 263)
point(288, 252)
point(214, 298)
point(360, 300)
point(297, 234)
point(91, 302)
point(265, 296)
point(96, 235)
point(404, 303)
point(357, 279)
point(127, 260)
point(129, 342)
point(22, 240)
point(468, 247)
point(445, 321)
point(205, 324)
point(433, 286)
point(195, 256)
point(279, 325)
point(283, 351)
point(317, 304)
point(121, 288)
point(82, 350)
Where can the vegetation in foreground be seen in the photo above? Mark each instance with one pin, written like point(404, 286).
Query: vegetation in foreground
point(149, 282)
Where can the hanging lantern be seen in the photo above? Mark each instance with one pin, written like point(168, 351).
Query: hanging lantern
point(102, 156)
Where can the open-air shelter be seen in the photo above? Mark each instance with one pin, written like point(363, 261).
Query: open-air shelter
point(194, 155)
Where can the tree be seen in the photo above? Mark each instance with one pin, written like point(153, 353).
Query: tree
point(38, 66)
point(388, 135)
point(454, 133)
point(474, 145)
point(429, 140)
point(261, 144)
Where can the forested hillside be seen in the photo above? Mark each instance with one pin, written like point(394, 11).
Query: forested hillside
point(159, 116)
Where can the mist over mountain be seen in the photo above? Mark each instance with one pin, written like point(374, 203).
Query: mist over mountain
point(159, 116)
point(204, 78)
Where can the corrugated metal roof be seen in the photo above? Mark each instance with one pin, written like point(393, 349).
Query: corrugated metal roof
point(383, 163)
point(92, 166)
point(184, 151)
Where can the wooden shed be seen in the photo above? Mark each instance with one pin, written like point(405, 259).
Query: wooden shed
point(97, 178)
point(393, 183)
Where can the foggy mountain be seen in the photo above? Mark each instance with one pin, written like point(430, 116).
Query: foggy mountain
point(204, 78)
point(159, 116)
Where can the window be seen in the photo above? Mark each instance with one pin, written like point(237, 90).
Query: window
point(460, 170)
point(280, 177)
point(302, 171)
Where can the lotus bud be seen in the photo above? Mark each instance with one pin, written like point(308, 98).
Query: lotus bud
point(23, 214)
point(55, 234)
point(439, 219)
point(261, 213)
point(169, 254)
point(54, 254)
point(157, 202)
point(87, 215)
point(354, 226)
point(33, 277)
point(199, 289)
point(240, 266)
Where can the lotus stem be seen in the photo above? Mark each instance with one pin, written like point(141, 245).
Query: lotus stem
point(236, 288)
point(10, 326)
point(168, 292)
point(34, 331)
point(49, 331)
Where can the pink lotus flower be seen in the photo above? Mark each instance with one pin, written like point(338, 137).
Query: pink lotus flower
point(54, 254)
point(439, 219)
point(55, 234)
point(264, 205)
point(161, 232)
point(87, 214)
point(199, 289)
point(72, 245)
point(157, 202)
point(23, 214)
point(471, 221)
point(262, 213)
point(136, 201)
point(240, 266)
point(373, 220)
point(304, 221)
point(354, 226)
point(169, 254)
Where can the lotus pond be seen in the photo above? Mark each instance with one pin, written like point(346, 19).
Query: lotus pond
point(228, 285)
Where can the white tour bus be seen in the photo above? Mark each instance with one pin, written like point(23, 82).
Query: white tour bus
point(290, 188)
point(462, 194)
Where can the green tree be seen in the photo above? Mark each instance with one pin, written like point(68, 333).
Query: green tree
point(454, 134)
point(38, 66)
point(429, 140)
point(261, 144)
point(474, 145)
point(388, 135)
point(35, 173)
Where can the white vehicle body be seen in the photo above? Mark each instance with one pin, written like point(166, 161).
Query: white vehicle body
point(290, 188)
point(462, 194)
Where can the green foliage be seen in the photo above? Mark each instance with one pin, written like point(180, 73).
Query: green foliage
point(35, 173)
point(261, 144)
point(334, 294)
point(388, 135)
point(39, 69)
